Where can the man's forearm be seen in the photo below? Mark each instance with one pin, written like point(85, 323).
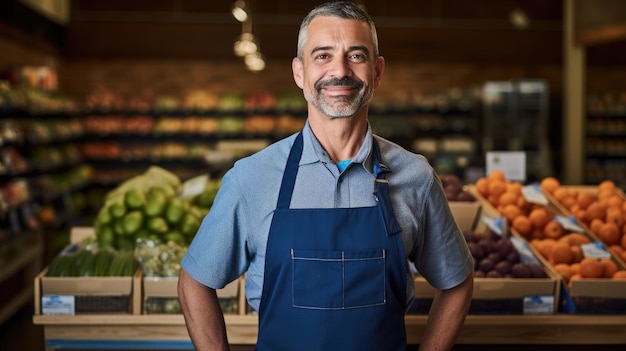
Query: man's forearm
point(203, 315)
point(446, 316)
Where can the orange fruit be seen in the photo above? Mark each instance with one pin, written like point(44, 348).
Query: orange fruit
point(596, 210)
point(539, 217)
point(482, 185)
point(569, 201)
point(560, 194)
point(623, 242)
point(564, 270)
point(496, 174)
point(591, 268)
point(609, 267)
point(575, 268)
point(585, 199)
point(607, 185)
point(615, 201)
point(550, 184)
point(510, 212)
point(614, 215)
point(620, 274)
point(545, 247)
point(624, 207)
point(577, 254)
point(616, 249)
point(609, 233)
point(575, 239)
point(514, 187)
point(553, 229)
point(523, 225)
point(496, 187)
point(507, 198)
point(561, 253)
point(596, 224)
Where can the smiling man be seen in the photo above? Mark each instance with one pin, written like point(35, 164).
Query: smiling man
point(324, 221)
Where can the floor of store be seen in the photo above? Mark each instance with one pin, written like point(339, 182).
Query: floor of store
point(19, 333)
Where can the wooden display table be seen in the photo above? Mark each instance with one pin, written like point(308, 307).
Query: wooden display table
point(153, 332)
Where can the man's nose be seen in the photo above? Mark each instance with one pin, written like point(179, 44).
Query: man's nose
point(341, 68)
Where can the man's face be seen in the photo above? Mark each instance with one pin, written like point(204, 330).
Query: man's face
point(338, 71)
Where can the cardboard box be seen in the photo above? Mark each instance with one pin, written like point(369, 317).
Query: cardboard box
point(466, 214)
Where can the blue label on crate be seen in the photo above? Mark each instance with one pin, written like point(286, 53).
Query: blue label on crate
point(532, 193)
point(569, 223)
point(539, 304)
point(58, 305)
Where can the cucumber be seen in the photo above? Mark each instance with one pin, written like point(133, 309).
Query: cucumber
point(102, 261)
point(123, 264)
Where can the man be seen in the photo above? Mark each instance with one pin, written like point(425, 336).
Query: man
point(323, 222)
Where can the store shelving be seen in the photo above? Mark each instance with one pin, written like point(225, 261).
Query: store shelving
point(605, 138)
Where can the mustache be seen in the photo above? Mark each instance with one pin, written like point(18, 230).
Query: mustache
point(343, 82)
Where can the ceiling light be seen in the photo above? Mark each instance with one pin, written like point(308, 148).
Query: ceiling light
point(245, 45)
point(519, 19)
point(240, 10)
point(255, 62)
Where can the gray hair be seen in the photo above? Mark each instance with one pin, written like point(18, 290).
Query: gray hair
point(341, 9)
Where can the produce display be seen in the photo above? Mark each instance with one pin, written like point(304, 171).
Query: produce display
point(150, 206)
point(602, 211)
point(496, 256)
point(158, 259)
point(87, 259)
point(453, 187)
point(555, 239)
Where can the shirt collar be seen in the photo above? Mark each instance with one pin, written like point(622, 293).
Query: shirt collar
point(314, 152)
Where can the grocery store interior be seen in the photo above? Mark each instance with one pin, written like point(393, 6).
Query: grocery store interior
point(98, 97)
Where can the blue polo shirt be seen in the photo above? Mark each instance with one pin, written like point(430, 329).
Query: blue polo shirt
point(232, 237)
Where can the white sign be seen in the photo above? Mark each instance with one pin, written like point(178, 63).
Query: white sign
point(512, 163)
point(57, 305)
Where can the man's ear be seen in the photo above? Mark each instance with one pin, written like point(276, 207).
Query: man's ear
point(379, 69)
point(297, 69)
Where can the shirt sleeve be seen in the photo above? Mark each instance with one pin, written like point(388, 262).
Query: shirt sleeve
point(217, 253)
point(442, 257)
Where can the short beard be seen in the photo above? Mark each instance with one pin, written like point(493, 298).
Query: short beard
point(352, 104)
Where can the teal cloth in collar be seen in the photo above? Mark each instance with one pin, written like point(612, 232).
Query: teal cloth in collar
point(343, 164)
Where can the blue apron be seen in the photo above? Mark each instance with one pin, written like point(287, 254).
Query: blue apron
point(335, 278)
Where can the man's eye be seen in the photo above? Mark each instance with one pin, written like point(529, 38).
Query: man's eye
point(357, 57)
point(322, 56)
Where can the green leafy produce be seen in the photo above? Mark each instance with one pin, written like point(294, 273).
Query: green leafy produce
point(132, 222)
point(151, 206)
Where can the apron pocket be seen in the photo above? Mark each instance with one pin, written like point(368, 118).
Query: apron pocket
point(338, 280)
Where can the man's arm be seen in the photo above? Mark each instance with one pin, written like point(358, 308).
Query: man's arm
point(447, 315)
point(203, 315)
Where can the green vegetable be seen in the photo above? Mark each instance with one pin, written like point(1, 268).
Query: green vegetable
point(156, 201)
point(134, 199)
point(189, 225)
point(102, 261)
point(123, 264)
point(132, 222)
point(117, 208)
point(158, 225)
point(174, 211)
point(105, 235)
point(84, 260)
point(63, 265)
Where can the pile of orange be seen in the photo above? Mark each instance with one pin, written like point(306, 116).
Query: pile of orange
point(532, 221)
point(603, 212)
point(566, 256)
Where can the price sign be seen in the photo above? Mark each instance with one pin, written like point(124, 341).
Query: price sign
point(512, 163)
